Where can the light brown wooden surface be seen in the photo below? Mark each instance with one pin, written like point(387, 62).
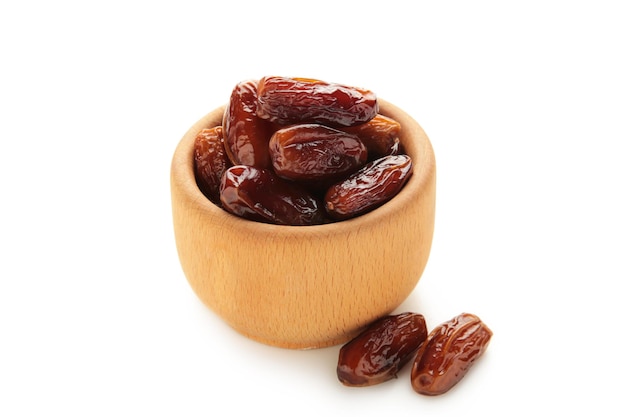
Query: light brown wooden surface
point(308, 286)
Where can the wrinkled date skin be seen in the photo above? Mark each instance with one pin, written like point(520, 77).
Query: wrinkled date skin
point(300, 100)
point(210, 161)
point(307, 152)
point(381, 136)
point(369, 187)
point(258, 194)
point(378, 353)
point(246, 136)
point(448, 353)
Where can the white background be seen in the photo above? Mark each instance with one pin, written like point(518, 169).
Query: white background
point(524, 103)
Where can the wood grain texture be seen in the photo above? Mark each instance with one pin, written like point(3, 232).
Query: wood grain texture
point(307, 286)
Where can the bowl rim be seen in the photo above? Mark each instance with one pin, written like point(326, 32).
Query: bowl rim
point(418, 147)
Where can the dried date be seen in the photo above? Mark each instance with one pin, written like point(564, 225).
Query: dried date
point(246, 136)
point(210, 161)
point(381, 136)
point(301, 100)
point(309, 152)
point(448, 353)
point(258, 194)
point(369, 187)
point(378, 353)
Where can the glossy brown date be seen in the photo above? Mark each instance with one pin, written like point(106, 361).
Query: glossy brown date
point(378, 353)
point(369, 187)
point(210, 161)
point(258, 194)
point(300, 100)
point(448, 353)
point(308, 152)
point(246, 136)
point(381, 136)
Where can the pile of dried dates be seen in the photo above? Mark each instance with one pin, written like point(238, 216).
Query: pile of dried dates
point(440, 358)
point(300, 151)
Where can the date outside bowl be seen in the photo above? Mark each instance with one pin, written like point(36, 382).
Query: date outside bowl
point(303, 287)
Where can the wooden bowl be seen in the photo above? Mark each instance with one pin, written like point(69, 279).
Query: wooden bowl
point(305, 286)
